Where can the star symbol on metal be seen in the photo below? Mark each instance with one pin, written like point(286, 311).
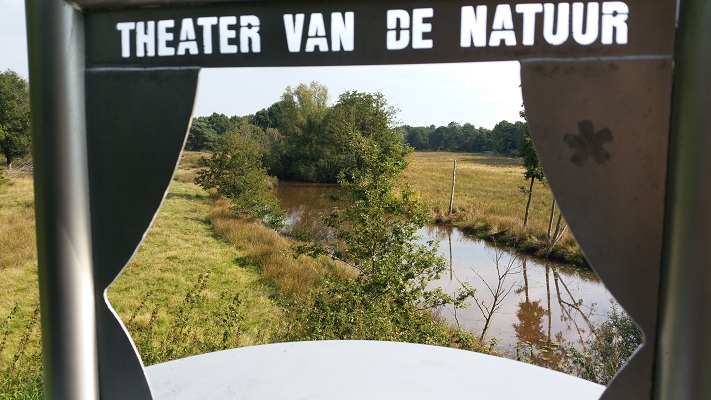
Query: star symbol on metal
point(588, 143)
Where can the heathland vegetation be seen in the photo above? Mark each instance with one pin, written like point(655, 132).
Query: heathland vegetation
point(213, 274)
point(301, 137)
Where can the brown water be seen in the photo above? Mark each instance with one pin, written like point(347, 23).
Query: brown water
point(537, 301)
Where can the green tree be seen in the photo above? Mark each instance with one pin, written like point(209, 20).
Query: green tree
point(267, 117)
point(235, 170)
point(202, 137)
point(531, 164)
point(15, 134)
point(375, 233)
point(302, 110)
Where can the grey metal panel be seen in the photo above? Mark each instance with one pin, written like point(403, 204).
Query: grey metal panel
point(56, 55)
point(601, 131)
point(684, 352)
point(137, 123)
point(650, 32)
point(111, 4)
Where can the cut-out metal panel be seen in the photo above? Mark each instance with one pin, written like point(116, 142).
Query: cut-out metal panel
point(137, 123)
point(601, 130)
point(597, 89)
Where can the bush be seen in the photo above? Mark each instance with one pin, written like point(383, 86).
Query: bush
point(612, 344)
point(236, 172)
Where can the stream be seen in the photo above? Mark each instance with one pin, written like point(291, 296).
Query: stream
point(526, 300)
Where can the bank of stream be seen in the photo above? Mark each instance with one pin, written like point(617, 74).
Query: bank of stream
point(519, 301)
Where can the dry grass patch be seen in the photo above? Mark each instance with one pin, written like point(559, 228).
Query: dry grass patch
point(190, 164)
point(262, 247)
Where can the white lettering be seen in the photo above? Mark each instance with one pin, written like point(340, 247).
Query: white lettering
point(249, 38)
point(562, 31)
point(398, 19)
point(125, 28)
point(294, 29)
point(207, 23)
point(614, 19)
point(164, 37)
point(419, 28)
point(226, 34)
point(591, 25)
point(146, 39)
point(473, 26)
point(342, 31)
point(187, 38)
point(317, 34)
point(502, 27)
point(529, 12)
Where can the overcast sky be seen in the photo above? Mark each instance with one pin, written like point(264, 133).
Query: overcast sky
point(482, 94)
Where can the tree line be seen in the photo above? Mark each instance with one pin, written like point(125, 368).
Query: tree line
point(506, 138)
point(302, 137)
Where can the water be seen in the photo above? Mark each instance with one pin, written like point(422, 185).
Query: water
point(526, 300)
point(533, 300)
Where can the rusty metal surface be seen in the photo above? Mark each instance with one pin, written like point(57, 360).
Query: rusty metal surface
point(601, 131)
point(137, 124)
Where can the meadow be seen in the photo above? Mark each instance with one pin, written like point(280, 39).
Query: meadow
point(205, 279)
point(489, 201)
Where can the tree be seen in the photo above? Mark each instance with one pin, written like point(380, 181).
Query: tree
point(508, 137)
point(15, 133)
point(202, 137)
point(302, 110)
point(375, 234)
point(235, 170)
point(531, 164)
point(267, 117)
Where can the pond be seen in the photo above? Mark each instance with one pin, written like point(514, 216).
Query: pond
point(518, 300)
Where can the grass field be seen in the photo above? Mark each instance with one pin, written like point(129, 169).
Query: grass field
point(488, 200)
point(204, 280)
point(174, 296)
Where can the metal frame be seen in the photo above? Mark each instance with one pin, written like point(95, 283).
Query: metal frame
point(87, 353)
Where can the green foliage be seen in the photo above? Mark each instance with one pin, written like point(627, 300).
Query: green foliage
point(15, 134)
point(302, 111)
point(530, 158)
point(267, 117)
point(235, 170)
point(21, 378)
point(202, 136)
point(375, 234)
point(192, 331)
point(612, 344)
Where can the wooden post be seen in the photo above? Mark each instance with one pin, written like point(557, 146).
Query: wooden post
point(454, 179)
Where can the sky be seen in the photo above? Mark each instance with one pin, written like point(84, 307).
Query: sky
point(482, 94)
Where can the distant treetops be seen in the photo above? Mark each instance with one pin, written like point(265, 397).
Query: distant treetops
point(302, 137)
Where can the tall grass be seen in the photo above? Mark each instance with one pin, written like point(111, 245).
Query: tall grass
point(488, 200)
point(20, 348)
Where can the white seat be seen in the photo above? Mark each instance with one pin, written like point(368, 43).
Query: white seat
point(344, 370)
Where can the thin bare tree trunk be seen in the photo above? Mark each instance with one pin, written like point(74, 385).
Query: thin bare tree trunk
point(528, 203)
point(451, 272)
point(550, 222)
point(454, 179)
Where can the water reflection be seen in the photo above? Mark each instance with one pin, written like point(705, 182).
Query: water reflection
point(529, 307)
point(538, 306)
